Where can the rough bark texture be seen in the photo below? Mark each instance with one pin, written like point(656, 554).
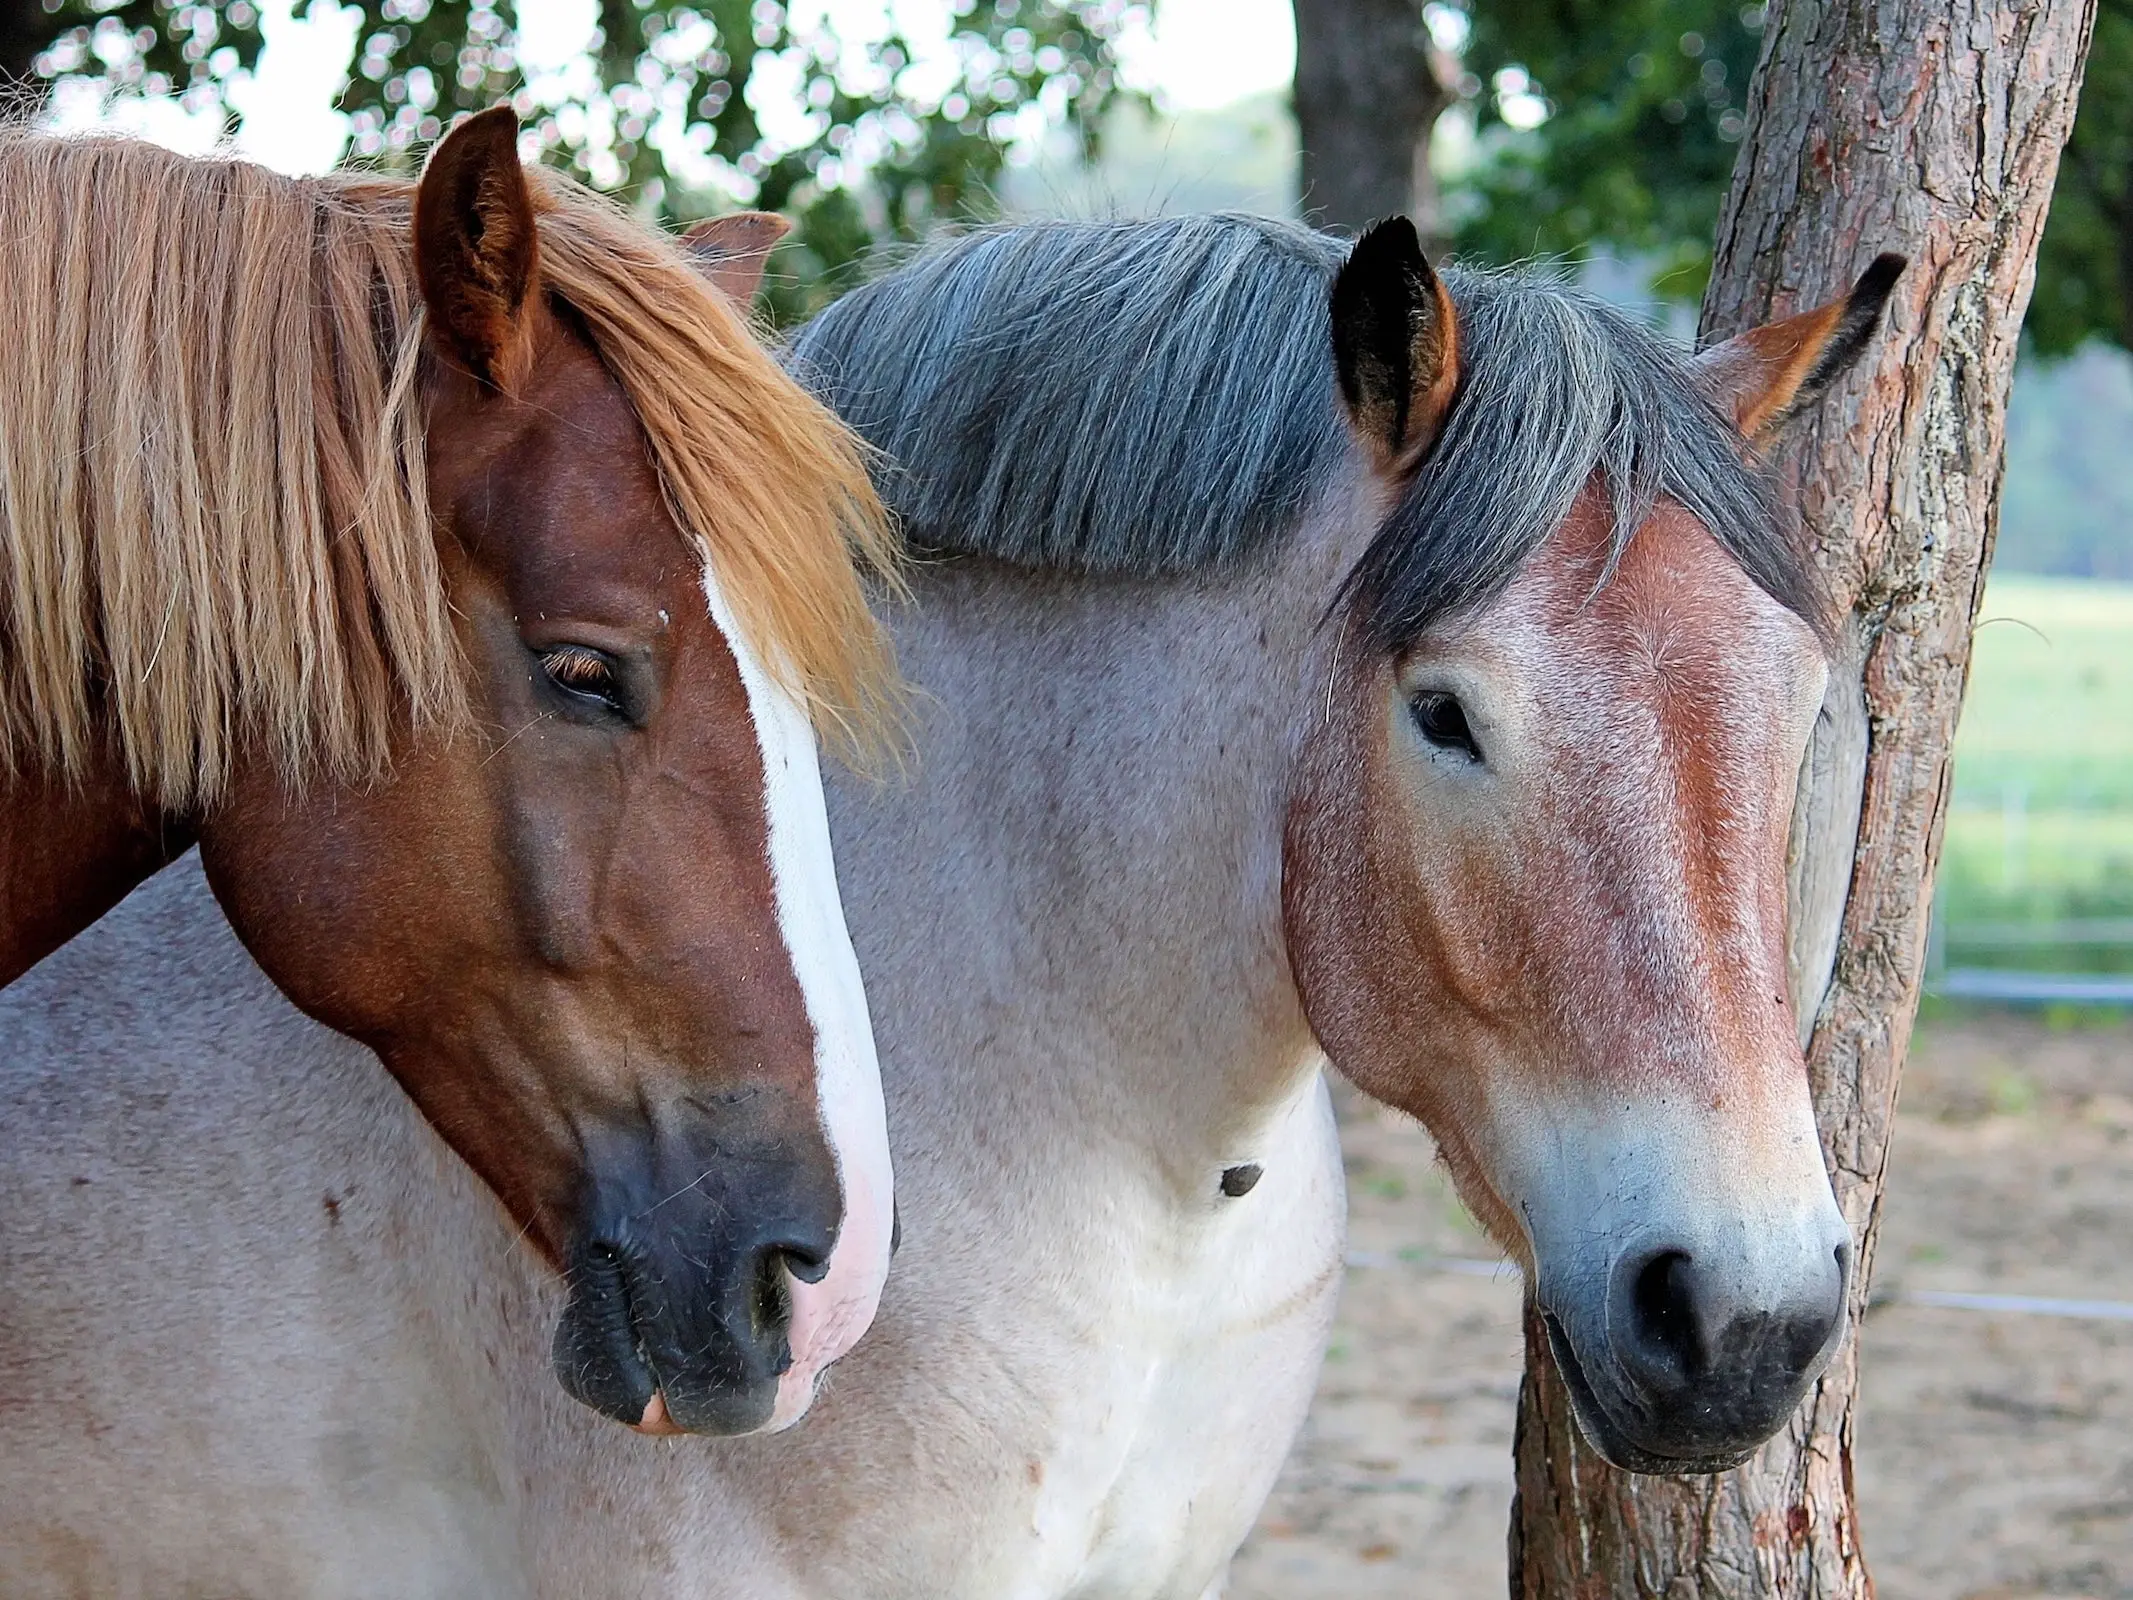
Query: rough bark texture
point(1935, 130)
point(1367, 96)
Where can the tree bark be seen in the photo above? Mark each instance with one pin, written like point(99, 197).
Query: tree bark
point(1367, 95)
point(1874, 125)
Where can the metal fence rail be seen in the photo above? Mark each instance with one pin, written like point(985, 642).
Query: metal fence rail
point(2002, 986)
point(2011, 986)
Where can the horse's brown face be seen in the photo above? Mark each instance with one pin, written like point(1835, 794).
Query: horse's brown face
point(1536, 896)
point(599, 945)
point(1558, 938)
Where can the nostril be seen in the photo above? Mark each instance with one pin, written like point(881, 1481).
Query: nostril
point(770, 1303)
point(1844, 1263)
point(798, 1245)
point(1667, 1333)
point(798, 1253)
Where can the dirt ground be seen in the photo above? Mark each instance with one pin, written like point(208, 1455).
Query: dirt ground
point(1995, 1450)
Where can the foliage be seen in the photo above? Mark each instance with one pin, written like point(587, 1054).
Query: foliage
point(2085, 266)
point(1644, 112)
point(1645, 101)
point(665, 105)
point(146, 46)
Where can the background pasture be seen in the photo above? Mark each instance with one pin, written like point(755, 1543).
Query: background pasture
point(2038, 867)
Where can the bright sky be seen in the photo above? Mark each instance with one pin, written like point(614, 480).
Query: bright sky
point(1206, 53)
point(1200, 54)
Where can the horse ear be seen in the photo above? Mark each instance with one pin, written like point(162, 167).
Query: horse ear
point(731, 250)
point(476, 249)
point(1769, 374)
point(1395, 345)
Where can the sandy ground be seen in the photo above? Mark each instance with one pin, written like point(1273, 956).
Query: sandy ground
point(1995, 1450)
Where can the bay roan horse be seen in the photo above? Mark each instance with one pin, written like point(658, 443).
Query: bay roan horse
point(364, 532)
point(1317, 655)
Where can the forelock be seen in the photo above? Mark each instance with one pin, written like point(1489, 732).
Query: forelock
point(1559, 390)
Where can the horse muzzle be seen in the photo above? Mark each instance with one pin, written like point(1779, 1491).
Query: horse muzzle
point(682, 1277)
point(1686, 1363)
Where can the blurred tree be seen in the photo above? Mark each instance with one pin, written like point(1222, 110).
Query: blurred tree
point(878, 137)
point(1644, 102)
point(148, 46)
point(1370, 86)
point(2085, 269)
point(1610, 123)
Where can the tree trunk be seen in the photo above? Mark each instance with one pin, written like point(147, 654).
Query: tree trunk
point(1367, 96)
point(1874, 125)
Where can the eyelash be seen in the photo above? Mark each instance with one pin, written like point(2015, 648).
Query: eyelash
point(584, 674)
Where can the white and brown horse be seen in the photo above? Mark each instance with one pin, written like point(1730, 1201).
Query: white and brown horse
point(1322, 658)
point(452, 564)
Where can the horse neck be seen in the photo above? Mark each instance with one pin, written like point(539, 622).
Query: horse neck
point(1070, 916)
point(70, 850)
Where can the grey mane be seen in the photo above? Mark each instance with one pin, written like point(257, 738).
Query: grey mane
point(1130, 397)
point(1158, 397)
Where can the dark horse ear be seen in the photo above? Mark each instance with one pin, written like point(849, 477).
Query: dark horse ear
point(476, 251)
point(1769, 374)
point(731, 250)
point(1395, 344)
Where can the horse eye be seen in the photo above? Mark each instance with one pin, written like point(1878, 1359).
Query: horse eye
point(585, 674)
point(1443, 723)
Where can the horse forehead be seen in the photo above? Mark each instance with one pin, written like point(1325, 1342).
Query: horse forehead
point(577, 420)
point(1678, 629)
point(558, 477)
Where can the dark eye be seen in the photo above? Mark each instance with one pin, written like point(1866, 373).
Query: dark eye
point(1443, 723)
point(587, 676)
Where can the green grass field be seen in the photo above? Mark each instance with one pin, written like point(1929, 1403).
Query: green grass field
point(2041, 830)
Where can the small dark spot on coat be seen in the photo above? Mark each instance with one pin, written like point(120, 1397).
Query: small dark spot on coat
point(333, 1210)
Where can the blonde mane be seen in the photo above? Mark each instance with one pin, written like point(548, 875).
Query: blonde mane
point(216, 532)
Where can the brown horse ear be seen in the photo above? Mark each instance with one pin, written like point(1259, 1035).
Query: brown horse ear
point(731, 250)
point(1395, 345)
point(476, 250)
point(1769, 374)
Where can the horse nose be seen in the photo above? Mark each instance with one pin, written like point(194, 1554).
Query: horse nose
point(1722, 1352)
point(757, 1291)
point(802, 1247)
point(681, 1284)
point(700, 1331)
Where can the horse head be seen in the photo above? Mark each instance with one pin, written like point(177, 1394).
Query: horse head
point(506, 575)
point(1535, 875)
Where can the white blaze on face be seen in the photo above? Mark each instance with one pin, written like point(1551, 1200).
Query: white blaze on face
point(827, 1317)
